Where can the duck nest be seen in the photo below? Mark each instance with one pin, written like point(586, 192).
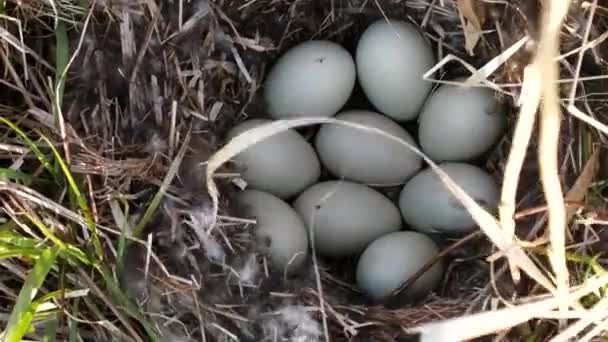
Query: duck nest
point(115, 228)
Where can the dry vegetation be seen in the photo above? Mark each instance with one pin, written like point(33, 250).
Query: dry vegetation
point(115, 178)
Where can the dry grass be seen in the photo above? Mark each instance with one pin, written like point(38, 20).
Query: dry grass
point(116, 172)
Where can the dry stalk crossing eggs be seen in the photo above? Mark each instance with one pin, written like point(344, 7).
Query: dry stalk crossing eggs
point(283, 164)
point(391, 58)
point(428, 206)
point(460, 123)
point(367, 157)
point(389, 261)
point(314, 78)
point(279, 231)
point(344, 216)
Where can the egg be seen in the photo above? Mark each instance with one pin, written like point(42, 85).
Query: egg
point(391, 58)
point(367, 157)
point(389, 261)
point(428, 206)
point(460, 123)
point(279, 232)
point(312, 79)
point(343, 217)
point(283, 164)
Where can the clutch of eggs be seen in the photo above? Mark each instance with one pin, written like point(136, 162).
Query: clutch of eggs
point(347, 217)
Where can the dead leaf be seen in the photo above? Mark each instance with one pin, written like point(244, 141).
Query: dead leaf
point(578, 191)
point(472, 13)
point(472, 18)
point(471, 37)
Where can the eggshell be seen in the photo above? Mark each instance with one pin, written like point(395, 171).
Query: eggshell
point(459, 124)
point(314, 78)
point(279, 232)
point(283, 164)
point(367, 157)
point(428, 206)
point(345, 216)
point(391, 58)
point(389, 261)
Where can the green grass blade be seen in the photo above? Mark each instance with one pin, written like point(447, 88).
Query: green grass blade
point(22, 314)
point(8, 226)
point(50, 331)
point(62, 57)
point(22, 176)
point(16, 240)
point(587, 144)
point(16, 246)
point(153, 206)
point(82, 202)
point(591, 262)
point(70, 250)
point(121, 218)
point(20, 253)
point(73, 324)
point(34, 148)
point(63, 293)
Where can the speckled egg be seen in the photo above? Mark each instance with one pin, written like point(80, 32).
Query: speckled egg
point(314, 78)
point(389, 261)
point(367, 157)
point(283, 164)
point(428, 206)
point(391, 58)
point(345, 216)
point(459, 123)
point(279, 232)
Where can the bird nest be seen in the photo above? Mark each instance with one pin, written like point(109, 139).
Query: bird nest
point(117, 218)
